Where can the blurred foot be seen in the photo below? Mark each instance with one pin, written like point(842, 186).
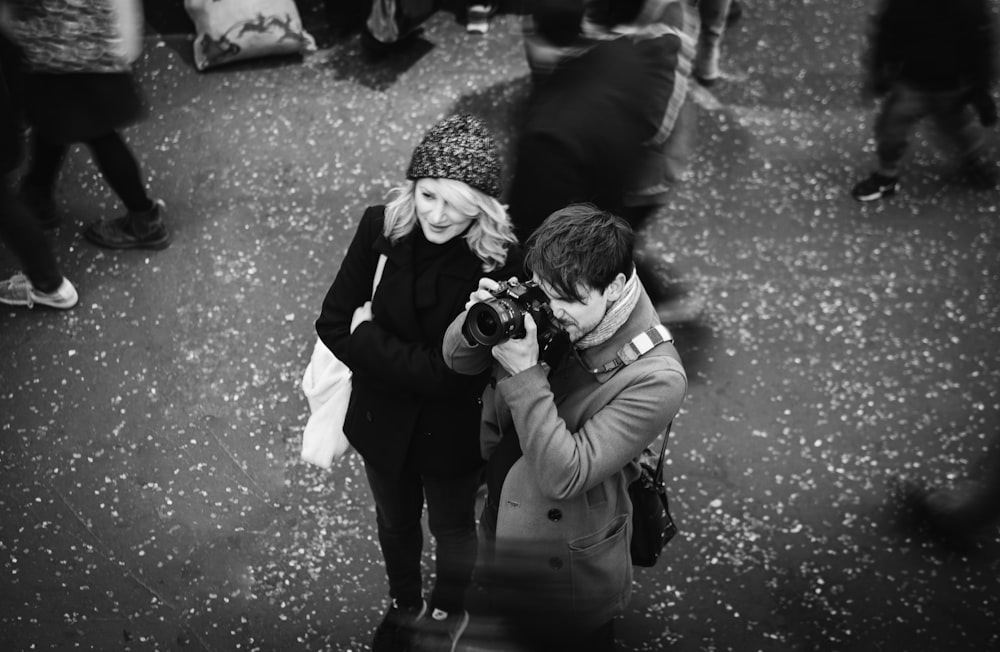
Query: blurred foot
point(478, 19)
point(18, 291)
point(876, 186)
point(921, 512)
point(135, 230)
point(440, 632)
point(397, 628)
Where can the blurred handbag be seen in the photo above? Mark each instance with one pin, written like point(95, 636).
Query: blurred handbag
point(65, 36)
point(652, 525)
point(327, 386)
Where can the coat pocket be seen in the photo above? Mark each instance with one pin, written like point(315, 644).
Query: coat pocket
point(599, 563)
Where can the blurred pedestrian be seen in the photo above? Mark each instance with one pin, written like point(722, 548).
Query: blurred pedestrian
point(562, 436)
point(600, 106)
point(79, 88)
point(40, 283)
point(412, 419)
point(931, 58)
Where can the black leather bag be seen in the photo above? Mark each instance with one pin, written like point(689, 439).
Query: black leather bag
point(652, 525)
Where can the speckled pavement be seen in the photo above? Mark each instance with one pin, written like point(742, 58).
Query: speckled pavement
point(151, 497)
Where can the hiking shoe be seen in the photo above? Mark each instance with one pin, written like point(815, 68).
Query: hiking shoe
point(478, 19)
point(397, 628)
point(41, 206)
point(140, 230)
point(18, 291)
point(440, 632)
point(876, 186)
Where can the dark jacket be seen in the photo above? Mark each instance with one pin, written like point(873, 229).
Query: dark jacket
point(583, 135)
point(933, 45)
point(406, 404)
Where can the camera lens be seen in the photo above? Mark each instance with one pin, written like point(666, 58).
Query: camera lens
point(487, 325)
point(490, 322)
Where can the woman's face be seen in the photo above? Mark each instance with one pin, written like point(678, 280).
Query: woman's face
point(439, 219)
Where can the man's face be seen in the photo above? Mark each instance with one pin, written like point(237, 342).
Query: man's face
point(578, 317)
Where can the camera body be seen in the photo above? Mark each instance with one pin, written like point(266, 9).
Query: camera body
point(501, 317)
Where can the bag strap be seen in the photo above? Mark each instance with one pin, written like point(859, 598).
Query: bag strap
point(639, 345)
point(378, 273)
point(658, 478)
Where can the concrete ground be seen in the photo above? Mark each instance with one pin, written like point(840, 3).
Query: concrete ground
point(151, 496)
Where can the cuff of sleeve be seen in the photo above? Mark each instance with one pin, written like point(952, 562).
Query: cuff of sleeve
point(526, 383)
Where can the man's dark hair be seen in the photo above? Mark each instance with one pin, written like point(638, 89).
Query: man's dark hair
point(580, 245)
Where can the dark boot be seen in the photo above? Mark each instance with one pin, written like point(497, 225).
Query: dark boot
point(135, 230)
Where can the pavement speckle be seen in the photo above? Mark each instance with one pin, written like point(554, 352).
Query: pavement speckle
point(151, 495)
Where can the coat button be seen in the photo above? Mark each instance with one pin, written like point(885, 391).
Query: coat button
point(554, 515)
point(368, 416)
point(555, 563)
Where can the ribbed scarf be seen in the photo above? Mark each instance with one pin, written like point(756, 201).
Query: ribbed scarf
point(615, 316)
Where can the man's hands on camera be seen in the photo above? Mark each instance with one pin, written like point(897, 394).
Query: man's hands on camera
point(487, 287)
point(517, 355)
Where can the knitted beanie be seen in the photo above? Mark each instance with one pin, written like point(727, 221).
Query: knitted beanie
point(460, 147)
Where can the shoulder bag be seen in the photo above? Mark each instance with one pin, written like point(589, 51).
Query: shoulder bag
point(327, 386)
point(652, 525)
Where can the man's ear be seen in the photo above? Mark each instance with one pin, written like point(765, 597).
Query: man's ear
point(616, 288)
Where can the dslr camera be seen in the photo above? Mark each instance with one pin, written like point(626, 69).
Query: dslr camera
point(501, 317)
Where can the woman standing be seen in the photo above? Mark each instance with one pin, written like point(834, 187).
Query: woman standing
point(413, 420)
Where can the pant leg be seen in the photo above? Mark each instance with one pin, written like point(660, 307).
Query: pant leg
point(121, 170)
point(901, 109)
point(451, 516)
point(22, 233)
point(713, 25)
point(399, 504)
point(43, 169)
point(958, 122)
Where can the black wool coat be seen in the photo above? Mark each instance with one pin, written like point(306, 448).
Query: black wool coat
point(407, 407)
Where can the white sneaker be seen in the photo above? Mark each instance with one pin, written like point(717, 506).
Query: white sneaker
point(18, 291)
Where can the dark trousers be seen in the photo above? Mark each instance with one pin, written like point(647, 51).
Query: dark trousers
point(113, 157)
point(20, 231)
point(904, 106)
point(399, 504)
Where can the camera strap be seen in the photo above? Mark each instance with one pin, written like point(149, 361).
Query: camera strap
point(636, 348)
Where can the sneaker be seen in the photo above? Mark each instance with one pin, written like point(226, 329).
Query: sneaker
point(144, 230)
point(41, 206)
point(478, 19)
point(875, 187)
point(18, 291)
point(397, 628)
point(440, 632)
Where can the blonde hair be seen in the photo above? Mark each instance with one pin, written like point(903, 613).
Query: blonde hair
point(488, 238)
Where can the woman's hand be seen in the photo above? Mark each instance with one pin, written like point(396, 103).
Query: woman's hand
point(484, 292)
point(519, 355)
point(362, 314)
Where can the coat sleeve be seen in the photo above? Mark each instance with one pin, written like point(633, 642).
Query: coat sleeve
point(351, 287)
point(571, 463)
point(375, 353)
